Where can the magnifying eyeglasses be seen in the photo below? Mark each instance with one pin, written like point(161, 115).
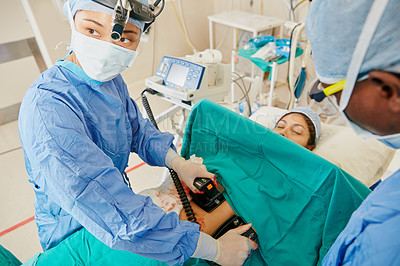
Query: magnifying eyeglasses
point(125, 9)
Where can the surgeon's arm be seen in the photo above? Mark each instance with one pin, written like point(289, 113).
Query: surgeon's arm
point(81, 178)
point(148, 142)
point(155, 148)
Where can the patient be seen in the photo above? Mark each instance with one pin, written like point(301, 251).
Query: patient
point(301, 125)
point(297, 210)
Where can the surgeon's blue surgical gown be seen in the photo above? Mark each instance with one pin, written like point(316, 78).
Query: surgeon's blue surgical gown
point(77, 134)
point(372, 236)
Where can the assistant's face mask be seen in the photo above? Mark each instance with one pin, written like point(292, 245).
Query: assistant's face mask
point(392, 141)
point(101, 60)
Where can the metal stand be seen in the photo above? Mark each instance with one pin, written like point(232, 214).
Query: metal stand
point(274, 75)
point(244, 21)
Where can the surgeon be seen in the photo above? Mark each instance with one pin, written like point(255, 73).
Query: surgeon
point(358, 41)
point(78, 125)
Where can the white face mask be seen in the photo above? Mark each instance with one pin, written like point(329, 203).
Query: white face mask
point(101, 60)
point(392, 141)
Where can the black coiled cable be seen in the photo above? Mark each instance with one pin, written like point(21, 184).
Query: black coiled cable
point(178, 185)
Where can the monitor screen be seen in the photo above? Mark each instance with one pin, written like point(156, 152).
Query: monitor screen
point(177, 74)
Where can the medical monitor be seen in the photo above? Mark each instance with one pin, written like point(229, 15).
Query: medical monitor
point(180, 74)
point(177, 74)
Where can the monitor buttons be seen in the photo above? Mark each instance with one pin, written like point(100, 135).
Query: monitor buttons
point(163, 68)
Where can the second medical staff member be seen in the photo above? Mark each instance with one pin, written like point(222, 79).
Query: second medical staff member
point(359, 41)
point(78, 126)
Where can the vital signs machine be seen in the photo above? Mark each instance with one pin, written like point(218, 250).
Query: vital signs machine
point(186, 81)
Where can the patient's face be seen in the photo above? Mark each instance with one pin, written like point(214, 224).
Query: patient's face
point(294, 127)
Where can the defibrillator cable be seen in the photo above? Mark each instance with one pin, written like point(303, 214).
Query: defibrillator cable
point(178, 185)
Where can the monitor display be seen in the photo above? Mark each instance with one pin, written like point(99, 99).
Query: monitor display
point(177, 74)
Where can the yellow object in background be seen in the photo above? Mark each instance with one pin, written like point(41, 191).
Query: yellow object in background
point(334, 88)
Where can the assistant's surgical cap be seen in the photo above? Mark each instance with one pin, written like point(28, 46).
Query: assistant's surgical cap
point(334, 27)
point(311, 114)
point(94, 6)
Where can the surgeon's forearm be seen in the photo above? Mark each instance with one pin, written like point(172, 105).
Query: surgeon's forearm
point(206, 247)
point(171, 154)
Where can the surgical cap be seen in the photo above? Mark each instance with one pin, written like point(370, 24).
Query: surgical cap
point(94, 6)
point(311, 114)
point(334, 27)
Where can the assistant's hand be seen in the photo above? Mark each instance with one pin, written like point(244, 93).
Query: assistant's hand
point(233, 248)
point(188, 171)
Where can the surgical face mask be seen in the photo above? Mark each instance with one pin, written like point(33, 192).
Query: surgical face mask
point(392, 141)
point(101, 60)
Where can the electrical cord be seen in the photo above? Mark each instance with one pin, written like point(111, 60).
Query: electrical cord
point(262, 7)
point(244, 91)
point(222, 40)
point(291, 14)
point(219, 45)
point(245, 95)
point(298, 4)
point(184, 25)
point(290, 52)
point(247, 98)
point(183, 29)
point(241, 88)
point(155, 38)
point(178, 185)
point(241, 78)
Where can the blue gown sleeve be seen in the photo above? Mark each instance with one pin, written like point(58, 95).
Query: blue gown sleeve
point(82, 179)
point(148, 142)
point(372, 235)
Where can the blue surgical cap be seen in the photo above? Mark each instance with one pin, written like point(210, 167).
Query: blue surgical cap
point(334, 27)
point(311, 114)
point(94, 6)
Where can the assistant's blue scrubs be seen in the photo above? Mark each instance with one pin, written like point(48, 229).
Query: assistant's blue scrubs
point(372, 236)
point(77, 134)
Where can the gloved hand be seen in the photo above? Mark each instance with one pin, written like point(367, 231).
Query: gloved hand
point(188, 171)
point(233, 248)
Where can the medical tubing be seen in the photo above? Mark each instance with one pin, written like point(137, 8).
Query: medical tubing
point(291, 14)
point(290, 69)
point(178, 185)
point(188, 42)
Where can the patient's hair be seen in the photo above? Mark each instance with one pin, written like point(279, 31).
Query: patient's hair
point(311, 128)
